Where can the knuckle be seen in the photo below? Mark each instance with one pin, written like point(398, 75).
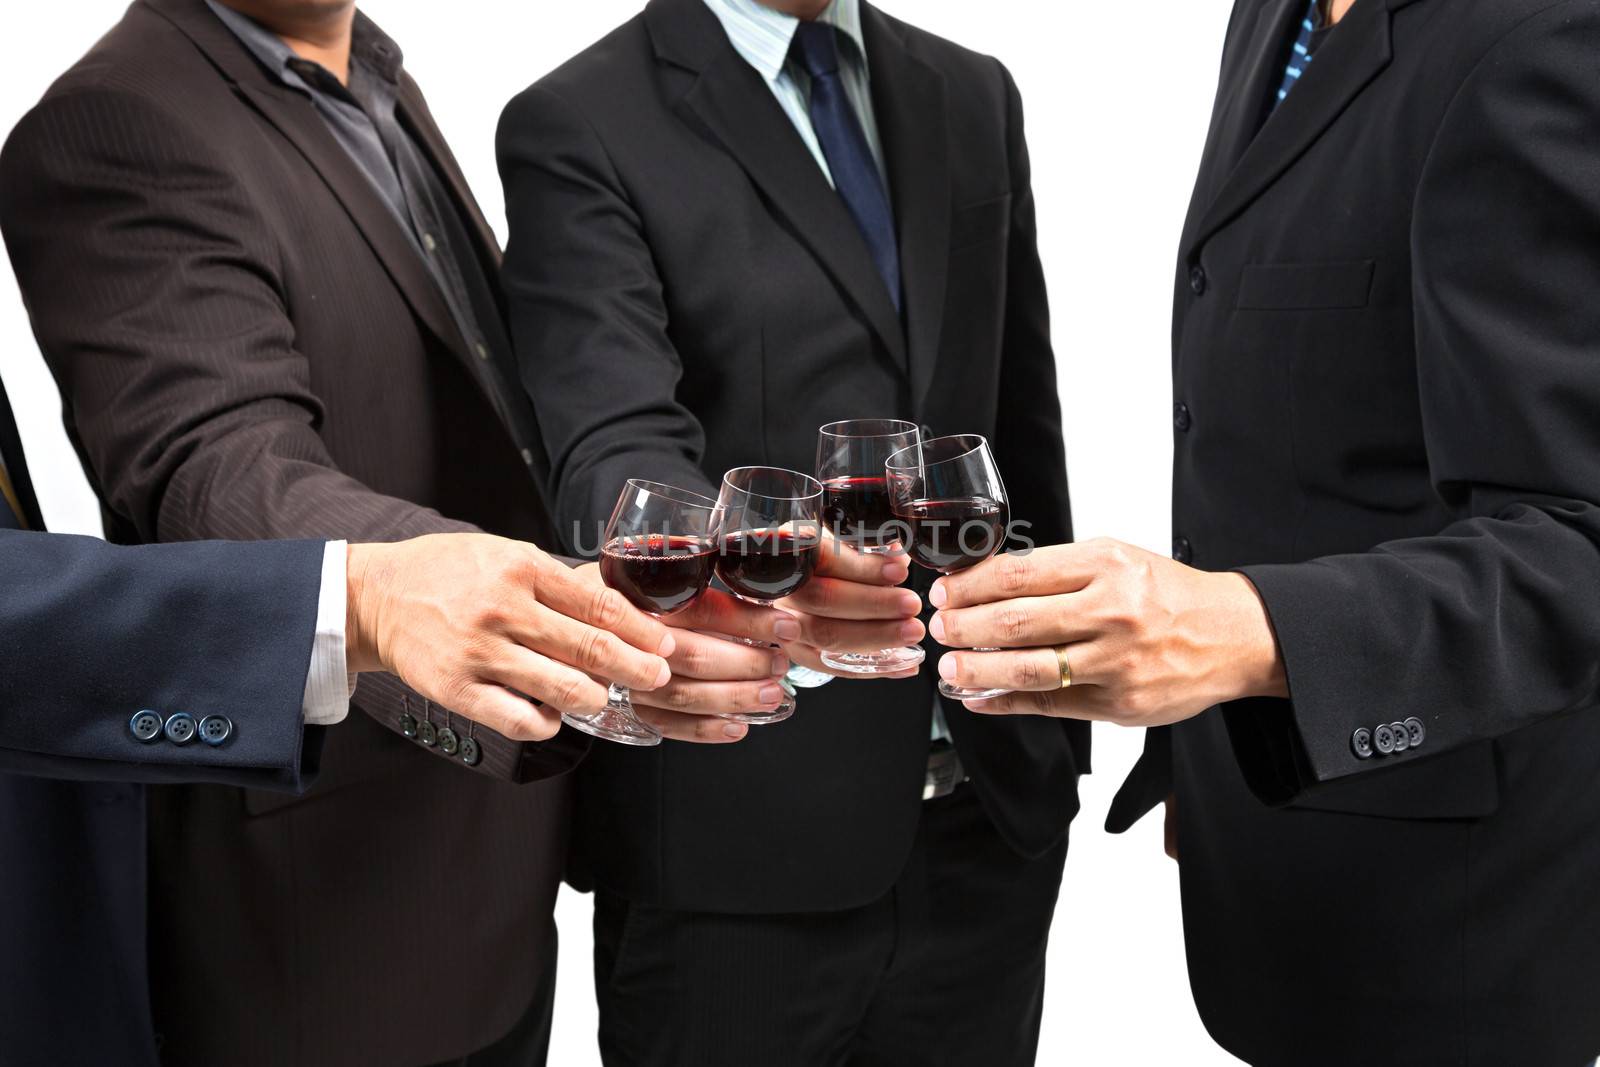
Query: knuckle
point(1026, 674)
point(1012, 623)
point(677, 698)
point(607, 608)
point(572, 694)
point(1011, 574)
point(597, 650)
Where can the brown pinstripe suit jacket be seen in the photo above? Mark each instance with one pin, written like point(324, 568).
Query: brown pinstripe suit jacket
point(248, 347)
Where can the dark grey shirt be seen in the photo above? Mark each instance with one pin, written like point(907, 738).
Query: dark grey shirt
point(362, 117)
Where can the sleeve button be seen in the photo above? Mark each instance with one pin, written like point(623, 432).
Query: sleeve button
point(1417, 733)
point(427, 733)
point(145, 726)
point(1383, 739)
point(180, 728)
point(469, 752)
point(216, 729)
point(449, 743)
point(1361, 743)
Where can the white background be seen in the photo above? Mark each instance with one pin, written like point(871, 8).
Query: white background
point(1117, 99)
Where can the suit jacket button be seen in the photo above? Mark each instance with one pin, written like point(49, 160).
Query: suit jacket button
point(470, 755)
point(145, 726)
point(1402, 737)
point(427, 733)
point(1182, 550)
point(180, 728)
point(449, 743)
point(1416, 732)
point(408, 725)
point(1198, 280)
point(1182, 418)
point(1383, 740)
point(1361, 743)
point(216, 729)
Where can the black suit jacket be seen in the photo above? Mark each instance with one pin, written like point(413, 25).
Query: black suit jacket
point(249, 347)
point(672, 238)
point(16, 466)
point(1386, 361)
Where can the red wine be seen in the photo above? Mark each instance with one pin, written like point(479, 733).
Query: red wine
point(656, 572)
point(952, 535)
point(859, 510)
point(766, 564)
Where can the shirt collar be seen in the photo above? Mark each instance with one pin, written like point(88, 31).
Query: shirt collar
point(369, 46)
point(763, 36)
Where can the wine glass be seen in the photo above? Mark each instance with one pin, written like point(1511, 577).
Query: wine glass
point(851, 458)
point(769, 532)
point(659, 554)
point(948, 493)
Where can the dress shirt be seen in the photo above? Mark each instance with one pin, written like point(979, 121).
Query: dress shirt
point(764, 38)
point(328, 685)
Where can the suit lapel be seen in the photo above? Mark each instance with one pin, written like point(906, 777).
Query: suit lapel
point(1352, 57)
point(729, 99)
point(1247, 74)
point(909, 99)
point(294, 116)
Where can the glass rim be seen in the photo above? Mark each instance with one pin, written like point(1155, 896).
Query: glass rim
point(685, 497)
point(979, 444)
point(805, 479)
point(828, 429)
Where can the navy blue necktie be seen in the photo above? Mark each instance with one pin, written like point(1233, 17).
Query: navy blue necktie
point(844, 145)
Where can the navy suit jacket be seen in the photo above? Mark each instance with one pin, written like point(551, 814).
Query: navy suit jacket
point(90, 634)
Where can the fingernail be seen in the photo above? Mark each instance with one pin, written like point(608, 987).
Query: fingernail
point(663, 676)
point(936, 595)
point(936, 628)
point(947, 668)
point(981, 707)
point(669, 645)
point(910, 603)
point(770, 694)
point(734, 730)
point(786, 629)
point(780, 664)
point(911, 631)
point(895, 572)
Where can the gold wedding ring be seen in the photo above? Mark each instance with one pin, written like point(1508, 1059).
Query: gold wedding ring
point(1066, 668)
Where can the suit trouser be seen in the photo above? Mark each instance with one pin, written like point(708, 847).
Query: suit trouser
point(945, 968)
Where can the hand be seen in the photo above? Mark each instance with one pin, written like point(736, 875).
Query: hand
point(713, 676)
point(852, 604)
point(472, 621)
point(1150, 641)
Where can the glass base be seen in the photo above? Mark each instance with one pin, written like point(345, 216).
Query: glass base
point(763, 718)
point(616, 722)
point(956, 692)
point(886, 661)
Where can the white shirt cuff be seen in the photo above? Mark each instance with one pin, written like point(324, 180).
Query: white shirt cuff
point(328, 686)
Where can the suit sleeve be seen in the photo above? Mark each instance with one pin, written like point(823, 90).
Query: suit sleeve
point(96, 633)
point(584, 295)
point(1494, 623)
point(154, 292)
point(1028, 442)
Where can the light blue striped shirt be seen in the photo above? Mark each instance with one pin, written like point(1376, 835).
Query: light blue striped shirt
point(763, 36)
